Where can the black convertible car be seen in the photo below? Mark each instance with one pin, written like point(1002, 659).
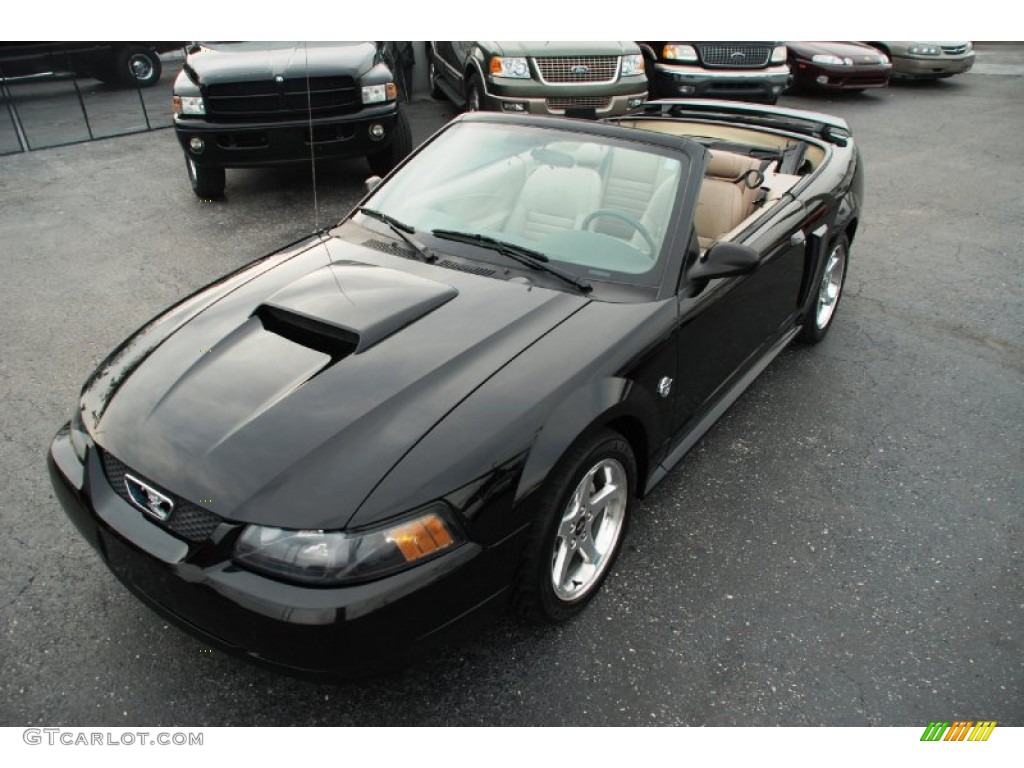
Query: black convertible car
point(447, 404)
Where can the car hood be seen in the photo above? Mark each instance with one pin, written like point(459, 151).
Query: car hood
point(287, 396)
point(852, 50)
point(560, 48)
point(239, 62)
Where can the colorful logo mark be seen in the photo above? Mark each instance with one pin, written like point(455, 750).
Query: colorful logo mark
point(961, 730)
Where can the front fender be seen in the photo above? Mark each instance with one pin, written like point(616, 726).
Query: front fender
point(599, 366)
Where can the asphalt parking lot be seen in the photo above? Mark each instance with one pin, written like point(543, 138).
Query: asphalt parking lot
point(843, 548)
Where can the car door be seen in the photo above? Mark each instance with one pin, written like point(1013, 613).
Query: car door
point(726, 327)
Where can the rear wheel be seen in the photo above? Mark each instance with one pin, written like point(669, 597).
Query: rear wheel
point(382, 162)
point(138, 66)
point(581, 521)
point(432, 77)
point(207, 183)
point(830, 289)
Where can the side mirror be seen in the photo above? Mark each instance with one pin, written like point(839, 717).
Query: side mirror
point(372, 183)
point(724, 259)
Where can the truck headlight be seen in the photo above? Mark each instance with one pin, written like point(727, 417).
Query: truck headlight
point(510, 66)
point(678, 52)
point(188, 105)
point(330, 558)
point(633, 64)
point(778, 54)
point(376, 94)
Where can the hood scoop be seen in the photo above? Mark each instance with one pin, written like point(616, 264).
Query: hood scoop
point(347, 307)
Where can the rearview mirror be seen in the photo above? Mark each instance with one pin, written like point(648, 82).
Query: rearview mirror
point(371, 183)
point(724, 259)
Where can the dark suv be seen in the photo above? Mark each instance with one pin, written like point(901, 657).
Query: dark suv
point(739, 71)
point(239, 105)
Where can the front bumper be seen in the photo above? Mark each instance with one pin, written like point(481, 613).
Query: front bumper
point(931, 66)
point(505, 94)
point(838, 78)
point(340, 631)
point(675, 80)
point(246, 145)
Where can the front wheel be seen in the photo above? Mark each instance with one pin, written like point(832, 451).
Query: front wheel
point(382, 162)
point(474, 94)
point(581, 521)
point(830, 290)
point(207, 183)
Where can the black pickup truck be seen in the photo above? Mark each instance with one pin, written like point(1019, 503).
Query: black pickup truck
point(240, 105)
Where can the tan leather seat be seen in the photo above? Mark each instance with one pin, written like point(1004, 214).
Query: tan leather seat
point(631, 183)
point(726, 198)
point(554, 199)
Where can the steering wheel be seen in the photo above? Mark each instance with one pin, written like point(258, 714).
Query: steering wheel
point(625, 218)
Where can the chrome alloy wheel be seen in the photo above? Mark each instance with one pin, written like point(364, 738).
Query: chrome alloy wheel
point(589, 531)
point(140, 67)
point(831, 285)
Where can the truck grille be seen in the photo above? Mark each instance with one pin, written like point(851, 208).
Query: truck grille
point(955, 50)
point(187, 521)
point(562, 103)
point(734, 55)
point(578, 69)
point(271, 100)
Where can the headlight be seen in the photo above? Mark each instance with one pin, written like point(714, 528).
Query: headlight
point(375, 94)
point(188, 105)
point(679, 52)
point(510, 66)
point(883, 59)
point(328, 558)
point(970, 47)
point(828, 58)
point(778, 54)
point(79, 441)
point(633, 64)
point(924, 50)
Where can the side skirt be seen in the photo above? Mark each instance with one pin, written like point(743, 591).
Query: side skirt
point(708, 420)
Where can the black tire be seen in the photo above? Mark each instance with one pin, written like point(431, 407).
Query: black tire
point(137, 66)
point(474, 94)
point(536, 595)
point(207, 183)
point(435, 89)
point(382, 162)
point(815, 326)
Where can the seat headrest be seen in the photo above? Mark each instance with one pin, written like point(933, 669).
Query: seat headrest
point(728, 165)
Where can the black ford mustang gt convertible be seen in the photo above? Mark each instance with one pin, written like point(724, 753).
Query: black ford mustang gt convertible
point(448, 404)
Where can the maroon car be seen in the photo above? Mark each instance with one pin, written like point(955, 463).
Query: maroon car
point(837, 66)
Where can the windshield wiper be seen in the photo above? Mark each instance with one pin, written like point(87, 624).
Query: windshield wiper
point(526, 256)
point(400, 229)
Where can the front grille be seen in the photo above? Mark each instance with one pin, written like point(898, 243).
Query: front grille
point(734, 55)
point(562, 103)
point(955, 50)
point(271, 100)
point(577, 69)
point(187, 521)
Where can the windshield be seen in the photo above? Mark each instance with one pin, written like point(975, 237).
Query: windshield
point(596, 206)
